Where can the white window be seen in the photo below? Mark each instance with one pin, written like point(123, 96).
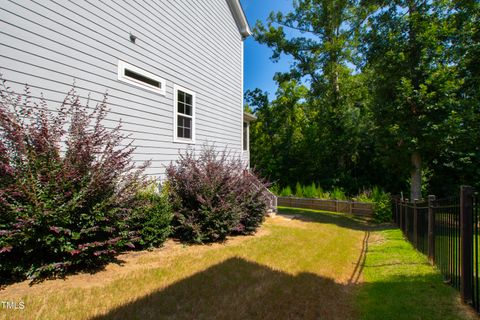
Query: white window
point(141, 78)
point(184, 115)
point(245, 135)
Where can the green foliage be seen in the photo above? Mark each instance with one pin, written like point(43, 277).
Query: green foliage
point(320, 194)
point(298, 190)
point(153, 218)
point(382, 208)
point(275, 189)
point(381, 200)
point(310, 191)
point(416, 88)
point(300, 132)
point(286, 192)
point(313, 191)
point(338, 194)
point(364, 196)
point(371, 85)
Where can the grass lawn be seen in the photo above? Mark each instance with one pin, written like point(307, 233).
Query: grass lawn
point(301, 265)
point(399, 283)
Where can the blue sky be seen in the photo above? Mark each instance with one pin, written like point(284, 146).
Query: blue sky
point(259, 69)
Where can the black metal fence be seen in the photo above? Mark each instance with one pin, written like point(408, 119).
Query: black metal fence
point(475, 259)
point(448, 231)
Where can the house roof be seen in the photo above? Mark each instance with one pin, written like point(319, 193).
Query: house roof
point(248, 117)
point(240, 18)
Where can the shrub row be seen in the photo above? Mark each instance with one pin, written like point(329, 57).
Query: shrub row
point(69, 193)
point(71, 198)
point(309, 191)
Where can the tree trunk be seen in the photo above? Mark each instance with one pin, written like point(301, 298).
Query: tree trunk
point(415, 61)
point(416, 177)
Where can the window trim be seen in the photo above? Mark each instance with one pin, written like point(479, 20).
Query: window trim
point(122, 65)
point(177, 139)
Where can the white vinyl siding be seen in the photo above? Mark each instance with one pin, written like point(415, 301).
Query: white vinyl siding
point(196, 44)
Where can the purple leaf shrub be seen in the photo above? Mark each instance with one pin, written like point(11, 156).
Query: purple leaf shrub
point(214, 196)
point(68, 187)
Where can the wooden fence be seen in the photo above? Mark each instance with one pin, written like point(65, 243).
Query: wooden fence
point(352, 207)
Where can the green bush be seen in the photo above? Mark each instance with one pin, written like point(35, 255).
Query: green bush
point(310, 191)
point(319, 193)
point(381, 203)
point(275, 189)
point(382, 209)
point(153, 218)
point(338, 194)
point(326, 196)
point(364, 196)
point(286, 192)
point(298, 190)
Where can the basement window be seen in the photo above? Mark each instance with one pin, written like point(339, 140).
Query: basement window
point(140, 78)
point(184, 115)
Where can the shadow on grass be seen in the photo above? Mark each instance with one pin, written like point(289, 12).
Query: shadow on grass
point(412, 297)
point(241, 289)
point(238, 288)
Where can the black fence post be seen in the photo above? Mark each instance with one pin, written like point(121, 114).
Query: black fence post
point(397, 213)
point(400, 213)
point(397, 203)
point(407, 220)
point(431, 230)
point(466, 240)
point(394, 210)
point(415, 224)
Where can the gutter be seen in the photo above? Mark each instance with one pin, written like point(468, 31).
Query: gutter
point(240, 18)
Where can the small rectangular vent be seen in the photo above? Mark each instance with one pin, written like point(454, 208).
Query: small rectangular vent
point(141, 78)
point(132, 74)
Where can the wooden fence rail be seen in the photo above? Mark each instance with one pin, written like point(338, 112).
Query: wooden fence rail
point(353, 207)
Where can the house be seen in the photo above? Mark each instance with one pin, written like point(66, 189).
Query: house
point(173, 69)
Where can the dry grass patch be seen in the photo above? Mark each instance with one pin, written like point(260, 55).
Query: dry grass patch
point(302, 264)
point(293, 268)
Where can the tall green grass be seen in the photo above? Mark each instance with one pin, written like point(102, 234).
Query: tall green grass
point(310, 191)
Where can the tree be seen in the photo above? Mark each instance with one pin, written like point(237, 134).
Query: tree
point(278, 133)
point(334, 114)
point(379, 93)
point(457, 163)
point(415, 82)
